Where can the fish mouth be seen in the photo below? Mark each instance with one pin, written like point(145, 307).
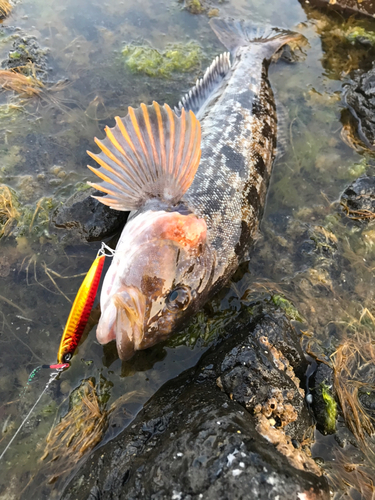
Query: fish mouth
point(123, 321)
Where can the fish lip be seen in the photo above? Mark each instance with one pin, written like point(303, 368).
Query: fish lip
point(130, 306)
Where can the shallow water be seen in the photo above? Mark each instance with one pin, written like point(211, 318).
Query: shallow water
point(43, 144)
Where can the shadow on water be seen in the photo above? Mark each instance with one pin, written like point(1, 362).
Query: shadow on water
point(309, 260)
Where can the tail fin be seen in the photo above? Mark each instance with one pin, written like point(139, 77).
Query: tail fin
point(234, 34)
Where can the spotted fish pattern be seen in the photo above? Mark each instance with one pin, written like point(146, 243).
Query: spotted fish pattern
point(239, 138)
point(196, 181)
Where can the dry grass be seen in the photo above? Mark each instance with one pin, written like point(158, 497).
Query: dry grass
point(8, 211)
point(27, 86)
point(81, 429)
point(5, 8)
point(353, 355)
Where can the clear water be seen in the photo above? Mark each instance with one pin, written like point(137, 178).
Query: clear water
point(43, 154)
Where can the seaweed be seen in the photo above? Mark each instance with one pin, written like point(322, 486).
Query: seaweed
point(289, 309)
point(176, 57)
point(194, 6)
point(331, 408)
point(9, 210)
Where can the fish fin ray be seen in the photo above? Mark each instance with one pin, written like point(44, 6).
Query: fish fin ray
point(234, 34)
point(282, 129)
point(151, 153)
point(205, 86)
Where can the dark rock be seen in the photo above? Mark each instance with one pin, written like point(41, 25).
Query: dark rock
point(26, 51)
point(234, 426)
point(360, 99)
point(360, 195)
point(349, 7)
point(89, 219)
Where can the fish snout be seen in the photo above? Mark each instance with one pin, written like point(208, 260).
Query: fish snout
point(130, 306)
point(123, 320)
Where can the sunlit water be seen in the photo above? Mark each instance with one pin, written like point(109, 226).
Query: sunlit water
point(43, 154)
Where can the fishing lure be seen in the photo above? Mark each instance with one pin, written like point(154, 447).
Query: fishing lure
point(74, 328)
point(80, 312)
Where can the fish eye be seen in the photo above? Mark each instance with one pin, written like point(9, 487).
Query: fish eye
point(178, 299)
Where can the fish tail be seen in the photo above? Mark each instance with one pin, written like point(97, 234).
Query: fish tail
point(235, 34)
point(151, 153)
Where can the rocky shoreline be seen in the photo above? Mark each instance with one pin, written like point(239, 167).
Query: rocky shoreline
point(235, 426)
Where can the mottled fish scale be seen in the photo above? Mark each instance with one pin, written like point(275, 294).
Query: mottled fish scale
point(238, 148)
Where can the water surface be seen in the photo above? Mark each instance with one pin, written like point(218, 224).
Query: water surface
point(43, 144)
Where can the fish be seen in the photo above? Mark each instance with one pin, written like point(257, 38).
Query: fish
point(195, 180)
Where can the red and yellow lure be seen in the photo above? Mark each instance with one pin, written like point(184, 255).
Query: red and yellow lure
point(73, 330)
point(79, 315)
point(80, 312)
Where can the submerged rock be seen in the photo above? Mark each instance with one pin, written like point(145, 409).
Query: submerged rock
point(27, 56)
point(359, 97)
point(234, 426)
point(89, 219)
point(359, 198)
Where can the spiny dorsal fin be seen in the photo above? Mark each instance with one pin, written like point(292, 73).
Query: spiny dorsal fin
point(196, 97)
point(151, 153)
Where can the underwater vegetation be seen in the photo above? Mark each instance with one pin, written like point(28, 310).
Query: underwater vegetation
point(331, 408)
point(84, 424)
point(357, 34)
point(176, 57)
point(9, 213)
point(23, 220)
point(347, 44)
point(354, 383)
point(27, 86)
point(194, 6)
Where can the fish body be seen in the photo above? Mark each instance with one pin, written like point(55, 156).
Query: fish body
point(192, 222)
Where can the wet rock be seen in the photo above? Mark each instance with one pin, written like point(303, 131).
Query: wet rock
point(349, 7)
point(235, 426)
point(360, 196)
point(359, 97)
point(87, 218)
point(27, 54)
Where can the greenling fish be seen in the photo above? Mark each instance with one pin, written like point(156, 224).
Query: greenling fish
point(196, 197)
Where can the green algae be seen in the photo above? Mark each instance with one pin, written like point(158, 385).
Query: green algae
point(358, 34)
point(358, 168)
point(194, 6)
point(19, 220)
point(331, 408)
point(203, 329)
point(176, 57)
point(289, 309)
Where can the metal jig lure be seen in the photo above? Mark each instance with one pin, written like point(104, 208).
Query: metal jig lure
point(80, 311)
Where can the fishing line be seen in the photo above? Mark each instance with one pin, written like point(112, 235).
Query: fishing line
point(51, 379)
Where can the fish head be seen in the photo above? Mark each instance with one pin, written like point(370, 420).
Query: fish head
point(164, 273)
